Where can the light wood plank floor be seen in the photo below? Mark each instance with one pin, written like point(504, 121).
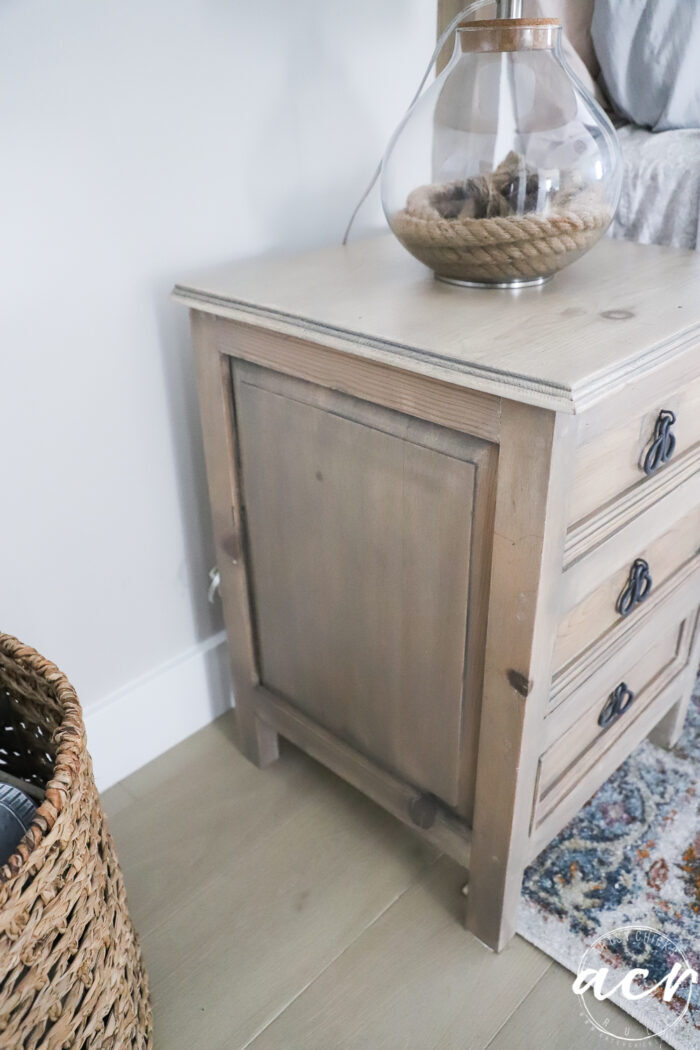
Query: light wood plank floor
point(281, 910)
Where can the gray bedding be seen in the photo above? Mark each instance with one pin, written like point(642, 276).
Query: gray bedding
point(649, 57)
point(660, 201)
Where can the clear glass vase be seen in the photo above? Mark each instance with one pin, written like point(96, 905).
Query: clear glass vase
point(505, 170)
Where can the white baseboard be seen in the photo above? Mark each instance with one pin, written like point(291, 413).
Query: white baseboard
point(151, 714)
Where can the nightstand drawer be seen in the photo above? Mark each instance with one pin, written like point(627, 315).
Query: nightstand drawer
point(635, 452)
point(623, 595)
point(612, 720)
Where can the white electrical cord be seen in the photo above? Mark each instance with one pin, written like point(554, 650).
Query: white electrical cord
point(214, 584)
point(468, 10)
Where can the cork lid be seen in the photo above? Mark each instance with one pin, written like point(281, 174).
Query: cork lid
point(509, 34)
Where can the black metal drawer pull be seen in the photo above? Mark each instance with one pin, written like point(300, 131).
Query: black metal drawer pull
point(637, 588)
point(615, 706)
point(663, 444)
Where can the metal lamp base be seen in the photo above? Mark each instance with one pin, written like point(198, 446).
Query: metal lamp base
point(536, 282)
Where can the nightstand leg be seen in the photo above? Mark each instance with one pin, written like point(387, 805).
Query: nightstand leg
point(667, 733)
point(669, 729)
point(493, 899)
point(529, 531)
point(255, 739)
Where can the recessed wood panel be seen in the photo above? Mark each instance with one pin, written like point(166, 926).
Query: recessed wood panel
point(359, 526)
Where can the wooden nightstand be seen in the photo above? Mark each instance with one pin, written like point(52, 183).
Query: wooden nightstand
point(457, 531)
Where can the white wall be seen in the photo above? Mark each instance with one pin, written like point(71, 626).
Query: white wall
point(139, 140)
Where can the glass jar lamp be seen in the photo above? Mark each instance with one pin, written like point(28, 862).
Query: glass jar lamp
point(505, 170)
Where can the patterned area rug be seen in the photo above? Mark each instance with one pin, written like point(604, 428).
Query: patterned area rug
point(631, 857)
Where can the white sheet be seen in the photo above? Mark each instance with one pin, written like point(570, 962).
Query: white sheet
point(660, 201)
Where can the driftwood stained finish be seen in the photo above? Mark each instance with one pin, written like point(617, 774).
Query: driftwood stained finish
point(426, 503)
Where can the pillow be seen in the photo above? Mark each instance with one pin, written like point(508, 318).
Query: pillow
point(649, 59)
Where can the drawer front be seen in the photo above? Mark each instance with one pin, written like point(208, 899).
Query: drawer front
point(605, 731)
point(623, 594)
point(635, 451)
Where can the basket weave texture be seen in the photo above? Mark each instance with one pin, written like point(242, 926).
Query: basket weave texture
point(71, 973)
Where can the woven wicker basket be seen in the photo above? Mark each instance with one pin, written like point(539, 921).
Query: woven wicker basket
point(71, 973)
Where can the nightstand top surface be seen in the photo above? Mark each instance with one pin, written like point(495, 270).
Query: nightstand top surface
point(621, 311)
